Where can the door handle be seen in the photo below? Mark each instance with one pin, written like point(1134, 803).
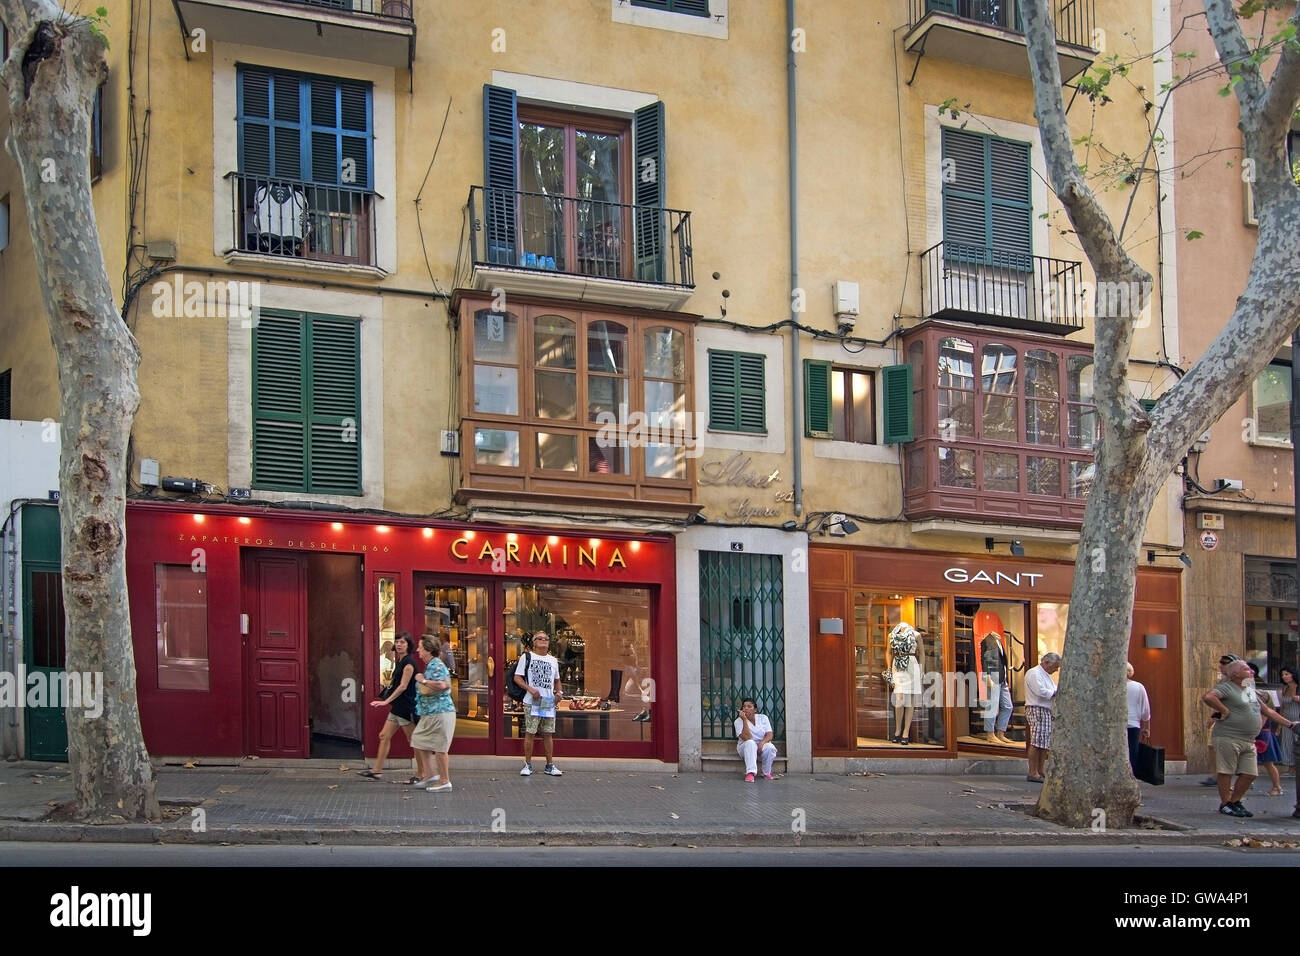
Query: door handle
point(277, 633)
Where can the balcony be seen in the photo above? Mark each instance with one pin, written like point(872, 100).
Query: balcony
point(990, 34)
point(371, 31)
point(1010, 290)
point(580, 249)
point(291, 219)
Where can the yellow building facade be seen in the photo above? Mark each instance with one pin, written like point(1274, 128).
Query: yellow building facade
point(800, 265)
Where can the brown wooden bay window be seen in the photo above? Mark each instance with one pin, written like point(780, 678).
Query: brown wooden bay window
point(567, 401)
point(1005, 426)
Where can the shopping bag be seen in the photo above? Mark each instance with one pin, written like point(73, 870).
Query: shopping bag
point(1151, 764)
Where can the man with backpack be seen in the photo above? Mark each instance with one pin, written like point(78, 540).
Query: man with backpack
point(538, 674)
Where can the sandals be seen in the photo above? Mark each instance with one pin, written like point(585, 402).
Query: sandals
point(1275, 792)
point(411, 782)
point(371, 774)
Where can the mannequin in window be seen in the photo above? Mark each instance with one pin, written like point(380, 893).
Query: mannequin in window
point(905, 666)
point(997, 705)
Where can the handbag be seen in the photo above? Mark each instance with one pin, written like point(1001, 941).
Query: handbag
point(1261, 746)
point(1150, 764)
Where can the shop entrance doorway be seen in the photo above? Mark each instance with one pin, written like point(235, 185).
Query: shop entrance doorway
point(990, 638)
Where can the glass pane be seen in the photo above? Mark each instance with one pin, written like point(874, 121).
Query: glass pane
point(541, 159)
point(1043, 476)
point(915, 468)
point(989, 641)
point(496, 337)
point(1001, 472)
point(956, 467)
point(386, 597)
point(1043, 423)
point(601, 237)
point(605, 458)
point(496, 390)
point(665, 461)
point(182, 606)
point(956, 414)
point(839, 426)
point(1000, 418)
point(998, 372)
point(1080, 478)
point(1271, 398)
point(665, 353)
point(496, 446)
point(598, 166)
point(1052, 619)
point(604, 395)
point(555, 342)
point(556, 452)
point(665, 405)
point(864, 409)
point(607, 348)
point(1042, 379)
point(1082, 425)
point(599, 647)
point(956, 364)
point(1078, 380)
point(457, 618)
point(49, 629)
point(912, 706)
point(556, 395)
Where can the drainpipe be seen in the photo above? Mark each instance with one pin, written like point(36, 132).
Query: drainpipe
point(792, 150)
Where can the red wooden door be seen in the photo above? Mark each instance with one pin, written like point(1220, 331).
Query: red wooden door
point(275, 589)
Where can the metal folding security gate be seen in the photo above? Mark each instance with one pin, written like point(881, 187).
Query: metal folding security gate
point(742, 640)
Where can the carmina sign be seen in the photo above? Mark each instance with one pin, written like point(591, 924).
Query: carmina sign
point(548, 555)
point(962, 576)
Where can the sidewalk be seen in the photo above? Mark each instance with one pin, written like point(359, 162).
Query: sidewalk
point(327, 802)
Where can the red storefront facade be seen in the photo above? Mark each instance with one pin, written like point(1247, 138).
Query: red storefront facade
point(264, 632)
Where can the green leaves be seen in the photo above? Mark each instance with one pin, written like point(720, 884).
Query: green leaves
point(1193, 234)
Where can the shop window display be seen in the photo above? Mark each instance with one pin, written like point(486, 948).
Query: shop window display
point(989, 638)
point(898, 658)
point(600, 637)
point(457, 617)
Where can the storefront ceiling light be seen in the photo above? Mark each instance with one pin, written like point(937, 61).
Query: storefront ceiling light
point(337, 526)
point(636, 545)
point(553, 539)
point(382, 528)
point(594, 542)
point(427, 532)
point(469, 535)
point(199, 519)
point(512, 536)
point(245, 520)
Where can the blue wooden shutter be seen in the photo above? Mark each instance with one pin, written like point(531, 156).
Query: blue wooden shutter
point(334, 409)
point(897, 383)
point(270, 124)
point(339, 128)
point(500, 171)
point(650, 192)
point(817, 399)
point(279, 402)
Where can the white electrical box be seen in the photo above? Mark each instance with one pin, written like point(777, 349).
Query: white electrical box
point(450, 442)
point(846, 298)
point(149, 472)
point(1209, 521)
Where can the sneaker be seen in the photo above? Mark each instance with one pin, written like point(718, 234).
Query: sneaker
point(767, 776)
point(439, 789)
point(749, 778)
point(1242, 811)
point(1209, 782)
point(1230, 810)
point(553, 771)
point(427, 781)
point(527, 771)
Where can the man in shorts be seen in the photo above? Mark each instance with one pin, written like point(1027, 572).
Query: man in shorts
point(1040, 696)
point(542, 682)
point(1236, 709)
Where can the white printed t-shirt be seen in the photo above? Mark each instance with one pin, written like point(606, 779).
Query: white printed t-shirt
point(542, 672)
point(759, 729)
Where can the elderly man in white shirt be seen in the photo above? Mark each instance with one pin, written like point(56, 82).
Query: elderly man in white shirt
point(754, 736)
point(1040, 690)
point(1139, 716)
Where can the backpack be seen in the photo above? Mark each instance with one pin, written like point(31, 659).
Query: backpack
point(513, 690)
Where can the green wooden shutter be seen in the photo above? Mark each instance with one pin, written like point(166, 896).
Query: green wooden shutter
point(649, 191)
point(500, 171)
point(752, 392)
point(694, 8)
point(723, 401)
point(942, 6)
point(965, 202)
point(817, 399)
point(987, 200)
point(334, 380)
point(1010, 204)
point(279, 403)
point(897, 381)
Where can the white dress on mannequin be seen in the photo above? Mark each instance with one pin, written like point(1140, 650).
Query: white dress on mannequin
point(904, 647)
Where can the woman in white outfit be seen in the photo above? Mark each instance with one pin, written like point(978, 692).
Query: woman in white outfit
point(754, 736)
point(905, 668)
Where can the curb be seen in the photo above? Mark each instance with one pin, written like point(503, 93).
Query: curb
point(258, 835)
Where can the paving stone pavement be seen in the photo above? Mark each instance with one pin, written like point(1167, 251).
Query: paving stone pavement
point(328, 802)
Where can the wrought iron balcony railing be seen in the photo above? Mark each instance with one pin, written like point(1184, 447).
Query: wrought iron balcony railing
point(394, 9)
point(996, 287)
point(1075, 20)
point(585, 237)
point(302, 220)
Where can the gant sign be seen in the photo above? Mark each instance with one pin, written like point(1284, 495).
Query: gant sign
point(1027, 579)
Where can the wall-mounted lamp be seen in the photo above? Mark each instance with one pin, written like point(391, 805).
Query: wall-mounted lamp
point(789, 525)
point(699, 518)
point(1182, 556)
point(830, 625)
point(1155, 641)
point(1017, 549)
point(837, 524)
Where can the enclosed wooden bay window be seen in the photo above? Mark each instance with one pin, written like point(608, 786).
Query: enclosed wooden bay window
point(563, 401)
point(1005, 426)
